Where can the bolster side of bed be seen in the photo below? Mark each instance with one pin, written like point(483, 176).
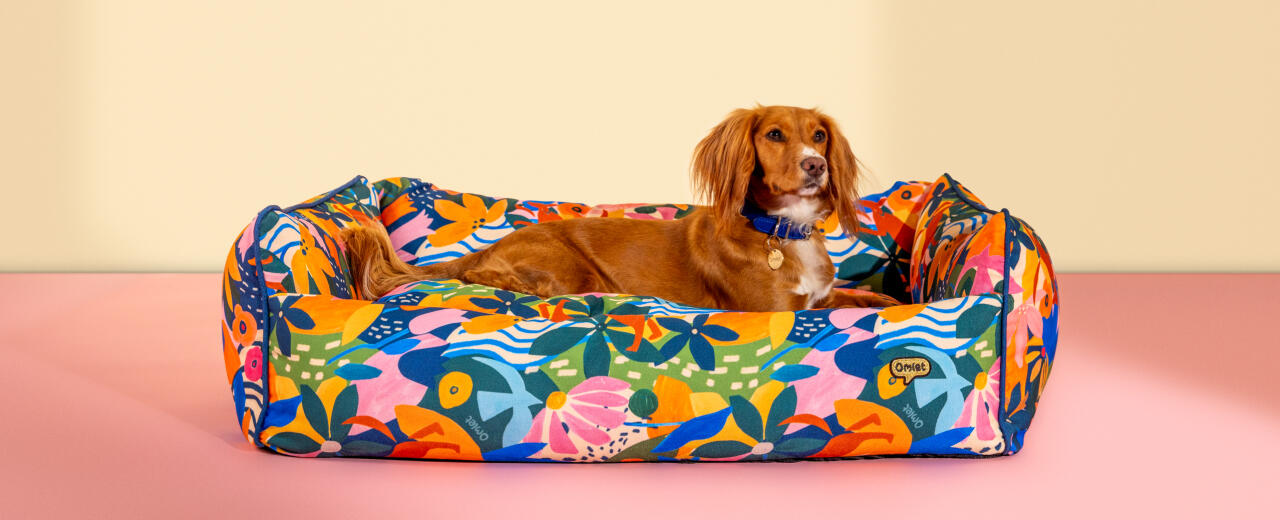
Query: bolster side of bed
point(1030, 325)
point(963, 248)
point(289, 250)
point(244, 320)
point(958, 249)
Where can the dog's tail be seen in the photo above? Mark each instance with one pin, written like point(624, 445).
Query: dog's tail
point(376, 270)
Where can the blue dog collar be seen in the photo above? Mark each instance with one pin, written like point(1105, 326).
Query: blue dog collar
point(781, 227)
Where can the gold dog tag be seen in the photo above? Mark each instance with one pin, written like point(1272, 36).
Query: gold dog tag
point(775, 259)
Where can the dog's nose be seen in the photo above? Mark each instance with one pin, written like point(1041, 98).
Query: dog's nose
point(814, 166)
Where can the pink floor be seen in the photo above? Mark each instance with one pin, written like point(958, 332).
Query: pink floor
point(115, 403)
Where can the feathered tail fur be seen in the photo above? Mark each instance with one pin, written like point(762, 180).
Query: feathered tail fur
point(376, 270)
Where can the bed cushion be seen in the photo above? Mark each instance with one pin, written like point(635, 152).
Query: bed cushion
point(441, 369)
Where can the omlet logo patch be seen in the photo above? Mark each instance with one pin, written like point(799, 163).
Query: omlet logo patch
point(475, 427)
point(910, 414)
point(907, 369)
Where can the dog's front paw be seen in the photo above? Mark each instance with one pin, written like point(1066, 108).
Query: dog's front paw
point(860, 298)
point(876, 300)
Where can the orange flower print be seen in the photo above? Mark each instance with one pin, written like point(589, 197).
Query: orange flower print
point(572, 210)
point(467, 218)
point(902, 201)
point(243, 328)
point(309, 262)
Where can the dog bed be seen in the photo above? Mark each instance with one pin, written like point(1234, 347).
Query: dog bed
point(446, 370)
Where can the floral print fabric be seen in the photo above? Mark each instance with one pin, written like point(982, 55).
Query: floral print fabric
point(440, 369)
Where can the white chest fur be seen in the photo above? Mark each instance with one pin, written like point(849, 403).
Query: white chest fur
point(815, 281)
point(803, 211)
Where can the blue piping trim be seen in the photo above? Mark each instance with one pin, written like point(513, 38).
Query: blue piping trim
point(262, 296)
point(1004, 333)
point(1004, 302)
point(952, 183)
point(266, 327)
point(951, 187)
point(328, 195)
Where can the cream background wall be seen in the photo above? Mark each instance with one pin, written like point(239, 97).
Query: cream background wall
point(143, 135)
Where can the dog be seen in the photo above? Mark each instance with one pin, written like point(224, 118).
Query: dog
point(770, 174)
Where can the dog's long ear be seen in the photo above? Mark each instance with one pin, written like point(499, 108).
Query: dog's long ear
point(842, 190)
point(723, 163)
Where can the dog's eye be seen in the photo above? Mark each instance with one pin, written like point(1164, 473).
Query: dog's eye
point(774, 135)
point(819, 136)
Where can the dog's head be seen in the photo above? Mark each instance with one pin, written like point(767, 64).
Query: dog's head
point(789, 161)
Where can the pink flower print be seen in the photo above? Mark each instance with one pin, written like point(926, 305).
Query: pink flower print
point(817, 395)
point(380, 395)
point(985, 264)
point(1023, 319)
point(844, 318)
point(593, 405)
point(980, 406)
point(253, 364)
point(980, 412)
point(426, 323)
